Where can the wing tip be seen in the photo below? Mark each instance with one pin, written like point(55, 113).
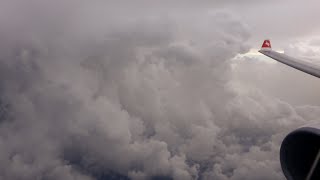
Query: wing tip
point(266, 45)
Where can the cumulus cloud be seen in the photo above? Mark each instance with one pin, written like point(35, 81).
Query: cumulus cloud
point(88, 94)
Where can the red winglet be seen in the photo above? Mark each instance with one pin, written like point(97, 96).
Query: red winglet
point(266, 44)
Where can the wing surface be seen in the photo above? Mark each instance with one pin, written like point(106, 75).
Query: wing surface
point(301, 65)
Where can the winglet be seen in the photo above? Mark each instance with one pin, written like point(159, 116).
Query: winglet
point(266, 46)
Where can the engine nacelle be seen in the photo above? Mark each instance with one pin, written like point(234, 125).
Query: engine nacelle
point(298, 154)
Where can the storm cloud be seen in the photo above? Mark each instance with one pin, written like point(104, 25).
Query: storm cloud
point(106, 90)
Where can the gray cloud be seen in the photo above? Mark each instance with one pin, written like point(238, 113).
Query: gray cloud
point(92, 94)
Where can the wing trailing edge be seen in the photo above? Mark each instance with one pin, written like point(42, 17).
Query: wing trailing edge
point(301, 65)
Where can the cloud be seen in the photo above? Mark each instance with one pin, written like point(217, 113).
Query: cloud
point(86, 95)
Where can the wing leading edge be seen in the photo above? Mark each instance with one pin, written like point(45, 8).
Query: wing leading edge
point(290, 61)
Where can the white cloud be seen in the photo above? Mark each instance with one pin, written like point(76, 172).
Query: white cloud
point(92, 94)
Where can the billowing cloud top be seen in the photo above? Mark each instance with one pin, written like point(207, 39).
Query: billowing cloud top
point(118, 90)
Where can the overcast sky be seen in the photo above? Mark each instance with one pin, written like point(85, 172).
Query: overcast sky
point(94, 90)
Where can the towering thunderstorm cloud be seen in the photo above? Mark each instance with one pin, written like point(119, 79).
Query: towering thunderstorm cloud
point(90, 91)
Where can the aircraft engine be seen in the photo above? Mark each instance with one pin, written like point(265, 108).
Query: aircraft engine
point(300, 154)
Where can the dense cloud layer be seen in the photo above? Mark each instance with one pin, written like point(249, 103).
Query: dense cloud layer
point(88, 94)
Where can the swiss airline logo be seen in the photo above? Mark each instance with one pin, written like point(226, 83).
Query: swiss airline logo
point(266, 44)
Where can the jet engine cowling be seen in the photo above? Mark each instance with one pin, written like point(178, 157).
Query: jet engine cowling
point(300, 154)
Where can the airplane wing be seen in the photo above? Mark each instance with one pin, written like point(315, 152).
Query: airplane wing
point(290, 61)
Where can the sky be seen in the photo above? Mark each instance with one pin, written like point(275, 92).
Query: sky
point(95, 90)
